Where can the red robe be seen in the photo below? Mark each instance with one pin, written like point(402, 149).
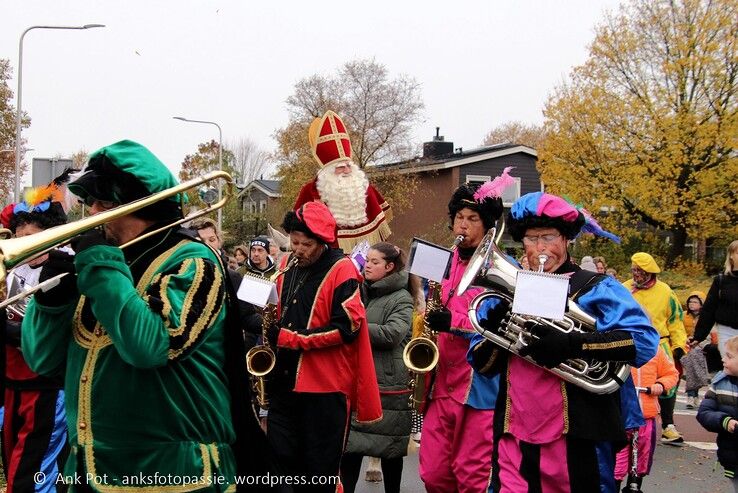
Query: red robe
point(378, 213)
point(327, 364)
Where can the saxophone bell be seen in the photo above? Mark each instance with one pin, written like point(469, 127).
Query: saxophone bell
point(260, 360)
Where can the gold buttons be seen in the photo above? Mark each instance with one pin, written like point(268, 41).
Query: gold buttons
point(83, 379)
point(82, 425)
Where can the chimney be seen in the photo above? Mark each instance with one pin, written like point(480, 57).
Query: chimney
point(437, 148)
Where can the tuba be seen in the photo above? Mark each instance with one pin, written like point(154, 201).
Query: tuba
point(491, 269)
point(260, 359)
point(421, 353)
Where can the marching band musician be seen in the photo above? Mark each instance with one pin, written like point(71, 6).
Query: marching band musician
point(35, 429)
point(324, 366)
point(456, 449)
point(144, 350)
point(551, 435)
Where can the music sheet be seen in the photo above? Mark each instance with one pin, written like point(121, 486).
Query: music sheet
point(540, 294)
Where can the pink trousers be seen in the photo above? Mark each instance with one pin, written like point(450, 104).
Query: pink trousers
point(553, 466)
point(646, 446)
point(456, 448)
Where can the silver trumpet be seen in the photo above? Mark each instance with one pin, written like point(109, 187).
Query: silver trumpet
point(491, 269)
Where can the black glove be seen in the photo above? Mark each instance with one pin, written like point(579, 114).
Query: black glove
point(89, 239)
point(678, 353)
point(552, 346)
point(439, 320)
point(273, 334)
point(66, 291)
point(482, 356)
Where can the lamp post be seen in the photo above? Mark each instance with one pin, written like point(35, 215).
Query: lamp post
point(220, 163)
point(18, 110)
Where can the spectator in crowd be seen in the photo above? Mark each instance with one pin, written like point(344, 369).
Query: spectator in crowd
point(241, 252)
point(721, 305)
point(718, 411)
point(600, 264)
point(389, 311)
point(259, 262)
point(694, 363)
point(588, 264)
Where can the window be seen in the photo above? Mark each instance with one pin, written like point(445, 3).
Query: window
point(477, 179)
point(262, 205)
point(510, 195)
point(251, 207)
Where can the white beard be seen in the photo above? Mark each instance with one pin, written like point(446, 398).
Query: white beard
point(345, 195)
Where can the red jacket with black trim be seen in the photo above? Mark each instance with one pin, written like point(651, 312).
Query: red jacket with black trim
point(325, 322)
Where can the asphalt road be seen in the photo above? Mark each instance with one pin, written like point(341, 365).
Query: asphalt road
point(689, 468)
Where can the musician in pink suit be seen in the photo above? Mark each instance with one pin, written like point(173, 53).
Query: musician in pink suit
point(551, 435)
point(456, 449)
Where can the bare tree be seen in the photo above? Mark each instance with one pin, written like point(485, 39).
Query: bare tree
point(380, 112)
point(249, 160)
point(516, 132)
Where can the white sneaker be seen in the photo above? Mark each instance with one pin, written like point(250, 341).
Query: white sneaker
point(690, 402)
point(415, 436)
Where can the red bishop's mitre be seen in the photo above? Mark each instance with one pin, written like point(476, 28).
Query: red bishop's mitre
point(329, 140)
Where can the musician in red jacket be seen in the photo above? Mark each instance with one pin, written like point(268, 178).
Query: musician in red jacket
point(324, 368)
point(360, 211)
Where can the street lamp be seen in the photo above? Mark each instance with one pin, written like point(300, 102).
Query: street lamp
point(220, 162)
point(18, 104)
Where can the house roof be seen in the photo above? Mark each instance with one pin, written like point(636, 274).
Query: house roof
point(269, 187)
point(421, 164)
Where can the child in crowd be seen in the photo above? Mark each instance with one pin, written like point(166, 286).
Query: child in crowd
point(694, 363)
point(719, 410)
point(652, 380)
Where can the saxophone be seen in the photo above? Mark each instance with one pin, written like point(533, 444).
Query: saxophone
point(260, 359)
point(421, 353)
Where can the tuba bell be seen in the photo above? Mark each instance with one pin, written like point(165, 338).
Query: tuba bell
point(492, 270)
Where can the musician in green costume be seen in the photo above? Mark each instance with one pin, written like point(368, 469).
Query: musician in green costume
point(139, 336)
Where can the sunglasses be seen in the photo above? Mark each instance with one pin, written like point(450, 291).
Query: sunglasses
point(104, 204)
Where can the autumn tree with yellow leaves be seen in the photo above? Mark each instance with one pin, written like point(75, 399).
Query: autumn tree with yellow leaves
point(648, 126)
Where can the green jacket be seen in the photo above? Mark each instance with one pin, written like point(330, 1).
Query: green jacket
point(142, 353)
point(389, 311)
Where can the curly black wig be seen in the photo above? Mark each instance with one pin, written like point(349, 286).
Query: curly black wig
point(292, 223)
point(53, 216)
point(490, 209)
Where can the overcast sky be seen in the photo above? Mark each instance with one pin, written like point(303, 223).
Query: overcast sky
point(479, 63)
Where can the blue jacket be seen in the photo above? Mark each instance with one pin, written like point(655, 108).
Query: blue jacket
point(717, 408)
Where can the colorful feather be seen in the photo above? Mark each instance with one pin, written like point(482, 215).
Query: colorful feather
point(593, 227)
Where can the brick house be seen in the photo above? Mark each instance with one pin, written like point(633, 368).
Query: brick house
point(441, 169)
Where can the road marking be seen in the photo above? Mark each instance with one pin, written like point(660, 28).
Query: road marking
point(702, 445)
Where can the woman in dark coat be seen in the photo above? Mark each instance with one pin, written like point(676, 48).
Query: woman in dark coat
point(389, 308)
point(721, 305)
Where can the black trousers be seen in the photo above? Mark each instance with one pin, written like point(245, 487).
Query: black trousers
point(306, 434)
point(391, 473)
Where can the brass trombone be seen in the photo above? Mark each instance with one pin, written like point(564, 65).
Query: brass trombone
point(16, 251)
